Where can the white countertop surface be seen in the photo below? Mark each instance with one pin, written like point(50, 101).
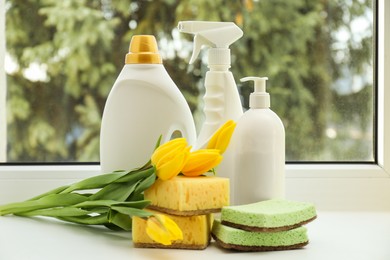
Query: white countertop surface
point(333, 235)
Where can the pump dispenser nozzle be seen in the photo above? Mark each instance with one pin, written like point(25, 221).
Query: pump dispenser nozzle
point(259, 98)
point(218, 35)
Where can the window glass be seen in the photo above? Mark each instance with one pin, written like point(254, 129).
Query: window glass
point(62, 58)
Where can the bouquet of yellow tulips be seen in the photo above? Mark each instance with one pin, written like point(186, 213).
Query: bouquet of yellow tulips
point(118, 195)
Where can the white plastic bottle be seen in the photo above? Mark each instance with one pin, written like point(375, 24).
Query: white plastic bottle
point(143, 104)
point(259, 150)
point(221, 101)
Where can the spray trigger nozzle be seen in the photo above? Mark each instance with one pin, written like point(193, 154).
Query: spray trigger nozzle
point(199, 41)
point(217, 35)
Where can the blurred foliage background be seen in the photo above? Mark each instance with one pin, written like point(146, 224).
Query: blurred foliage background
point(65, 56)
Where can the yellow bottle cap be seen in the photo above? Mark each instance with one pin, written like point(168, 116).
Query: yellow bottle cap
point(143, 49)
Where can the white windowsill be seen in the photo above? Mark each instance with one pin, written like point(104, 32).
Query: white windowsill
point(333, 235)
point(331, 187)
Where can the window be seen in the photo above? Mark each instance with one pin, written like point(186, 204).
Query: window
point(330, 186)
point(319, 57)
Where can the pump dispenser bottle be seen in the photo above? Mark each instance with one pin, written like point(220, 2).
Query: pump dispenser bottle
point(143, 104)
point(259, 150)
point(221, 101)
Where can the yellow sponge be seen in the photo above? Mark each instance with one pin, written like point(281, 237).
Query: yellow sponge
point(196, 232)
point(187, 196)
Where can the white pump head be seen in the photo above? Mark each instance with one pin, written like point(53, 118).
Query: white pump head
point(218, 35)
point(259, 98)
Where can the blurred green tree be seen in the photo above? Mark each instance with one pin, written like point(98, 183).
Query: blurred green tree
point(80, 46)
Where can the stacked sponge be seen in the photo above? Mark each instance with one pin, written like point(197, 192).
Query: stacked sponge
point(264, 226)
point(190, 202)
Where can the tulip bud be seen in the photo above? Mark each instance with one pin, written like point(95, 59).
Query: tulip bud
point(221, 138)
point(170, 158)
point(201, 161)
point(163, 230)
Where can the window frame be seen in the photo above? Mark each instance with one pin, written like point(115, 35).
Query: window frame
point(3, 97)
point(331, 186)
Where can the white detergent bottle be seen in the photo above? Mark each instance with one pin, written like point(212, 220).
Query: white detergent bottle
point(143, 104)
point(259, 150)
point(221, 101)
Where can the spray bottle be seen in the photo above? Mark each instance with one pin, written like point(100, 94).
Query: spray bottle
point(221, 101)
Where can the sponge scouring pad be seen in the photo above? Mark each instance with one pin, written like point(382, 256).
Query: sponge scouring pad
point(268, 216)
point(196, 232)
point(188, 196)
point(237, 239)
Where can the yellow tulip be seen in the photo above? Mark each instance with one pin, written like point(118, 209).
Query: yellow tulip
point(167, 147)
point(163, 230)
point(201, 161)
point(170, 158)
point(221, 138)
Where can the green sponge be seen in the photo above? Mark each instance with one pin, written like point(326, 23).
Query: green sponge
point(237, 239)
point(269, 215)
